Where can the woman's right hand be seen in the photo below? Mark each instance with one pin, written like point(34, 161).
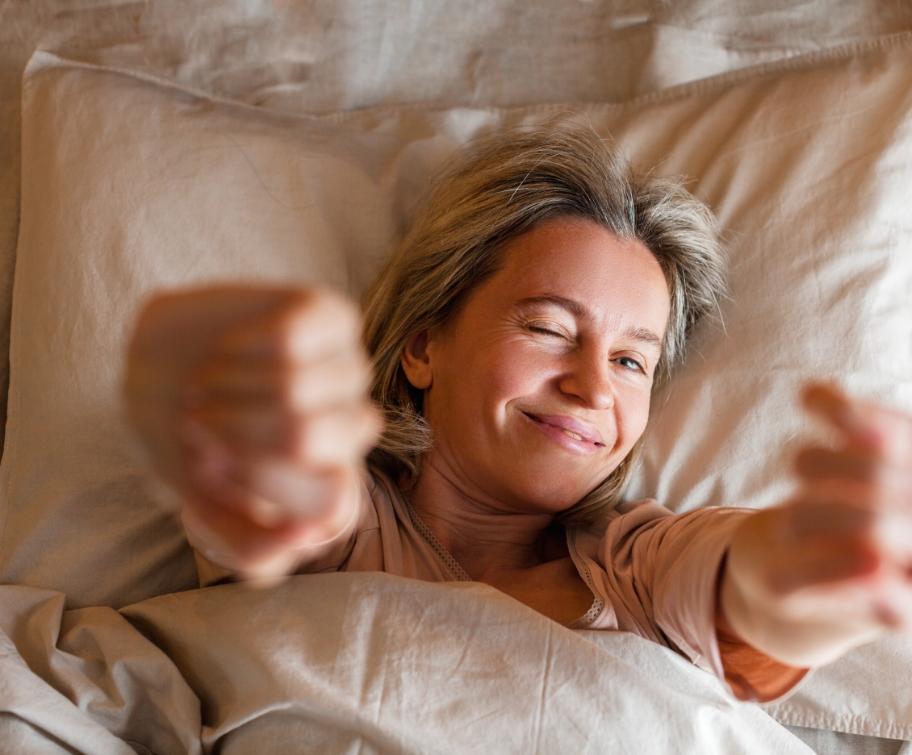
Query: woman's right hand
point(253, 405)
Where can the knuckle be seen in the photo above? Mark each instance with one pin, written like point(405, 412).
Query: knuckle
point(297, 312)
point(343, 309)
point(370, 428)
point(364, 370)
point(286, 331)
point(302, 439)
point(301, 306)
point(374, 420)
point(356, 382)
point(155, 302)
point(304, 391)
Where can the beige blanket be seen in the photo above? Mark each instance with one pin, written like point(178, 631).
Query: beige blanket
point(350, 663)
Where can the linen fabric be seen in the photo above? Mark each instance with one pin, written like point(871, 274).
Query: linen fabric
point(650, 573)
point(130, 184)
point(352, 663)
point(322, 56)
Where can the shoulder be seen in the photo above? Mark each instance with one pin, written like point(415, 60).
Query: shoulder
point(384, 501)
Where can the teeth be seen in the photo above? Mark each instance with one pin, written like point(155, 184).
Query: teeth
point(575, 436)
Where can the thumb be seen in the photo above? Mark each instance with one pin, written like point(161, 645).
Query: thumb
point(829, 403)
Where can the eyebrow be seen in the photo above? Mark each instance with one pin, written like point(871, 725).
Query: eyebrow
point(579, 311)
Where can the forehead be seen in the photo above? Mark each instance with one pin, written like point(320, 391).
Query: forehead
point(614, 279)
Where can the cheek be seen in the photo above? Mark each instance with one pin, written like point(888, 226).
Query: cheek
point(515, 373)
point(474, 381)
point(632, 416)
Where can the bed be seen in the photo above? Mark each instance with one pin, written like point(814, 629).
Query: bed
point(162, 144)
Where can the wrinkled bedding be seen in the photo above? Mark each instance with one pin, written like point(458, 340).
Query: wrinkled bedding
point(320, 56)
point(352, 663)
point(362, 663)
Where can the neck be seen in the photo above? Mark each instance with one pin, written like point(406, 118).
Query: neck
point(484, 536)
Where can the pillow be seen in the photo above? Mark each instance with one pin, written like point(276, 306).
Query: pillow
point(130, 184)
point(347, 54)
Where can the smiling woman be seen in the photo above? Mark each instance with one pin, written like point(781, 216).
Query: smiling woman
point(507, 202)
point(516, 335)
point(550, 337)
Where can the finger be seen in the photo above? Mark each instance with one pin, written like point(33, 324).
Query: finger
point(893, 602)
point(880, 598)
point(333, 438)
point(836, 509)
point(829, 403)
point(230, 538)
point(815, 513)
point(819, 463)
point(822, 561)
point(286, 490)
point(311, 325)
point(258, 549)
point(341, 378)
point(268, 565)
point(270, 492)
point(893, 531)
point(213, 473)
point(863, 424)
point(848, 491)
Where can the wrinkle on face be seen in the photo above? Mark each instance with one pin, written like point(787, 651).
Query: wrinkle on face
point(607, 301)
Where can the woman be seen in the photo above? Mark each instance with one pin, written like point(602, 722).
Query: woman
point(517, 336)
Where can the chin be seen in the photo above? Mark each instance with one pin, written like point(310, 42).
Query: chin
point(544, 496)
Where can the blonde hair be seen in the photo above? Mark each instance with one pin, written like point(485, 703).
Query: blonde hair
point(500, 186)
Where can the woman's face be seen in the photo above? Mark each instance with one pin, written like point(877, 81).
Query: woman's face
point(539, 386)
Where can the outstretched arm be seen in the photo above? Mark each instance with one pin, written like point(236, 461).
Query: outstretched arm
point(760, 597)
point(832, 568)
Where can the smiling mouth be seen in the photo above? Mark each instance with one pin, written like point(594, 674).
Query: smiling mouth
point(569, 433)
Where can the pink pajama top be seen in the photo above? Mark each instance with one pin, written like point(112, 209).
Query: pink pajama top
point(651, 572)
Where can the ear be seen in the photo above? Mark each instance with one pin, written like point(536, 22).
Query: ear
point(416, 361)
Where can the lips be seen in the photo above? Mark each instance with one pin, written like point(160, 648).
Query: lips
point(572, 428)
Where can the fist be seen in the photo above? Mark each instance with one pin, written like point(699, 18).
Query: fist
point(832, 568)
point(252, 403)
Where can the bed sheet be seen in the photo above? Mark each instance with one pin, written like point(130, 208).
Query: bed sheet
point(353, 663)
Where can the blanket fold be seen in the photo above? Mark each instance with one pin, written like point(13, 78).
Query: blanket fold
point(350, 662)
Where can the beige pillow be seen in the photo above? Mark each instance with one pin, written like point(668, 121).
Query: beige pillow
point(130, 185)
point(327, 56)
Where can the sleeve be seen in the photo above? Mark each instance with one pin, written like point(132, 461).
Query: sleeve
point(661, 572)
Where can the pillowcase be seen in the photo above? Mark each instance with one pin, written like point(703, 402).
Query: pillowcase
point(131, 184)
point(316, 57)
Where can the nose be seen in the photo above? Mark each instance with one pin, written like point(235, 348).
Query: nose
point(589, 379)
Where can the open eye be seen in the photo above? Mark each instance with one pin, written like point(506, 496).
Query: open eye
point(631, 364)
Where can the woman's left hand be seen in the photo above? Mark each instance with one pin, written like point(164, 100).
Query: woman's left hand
point(830, 569)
